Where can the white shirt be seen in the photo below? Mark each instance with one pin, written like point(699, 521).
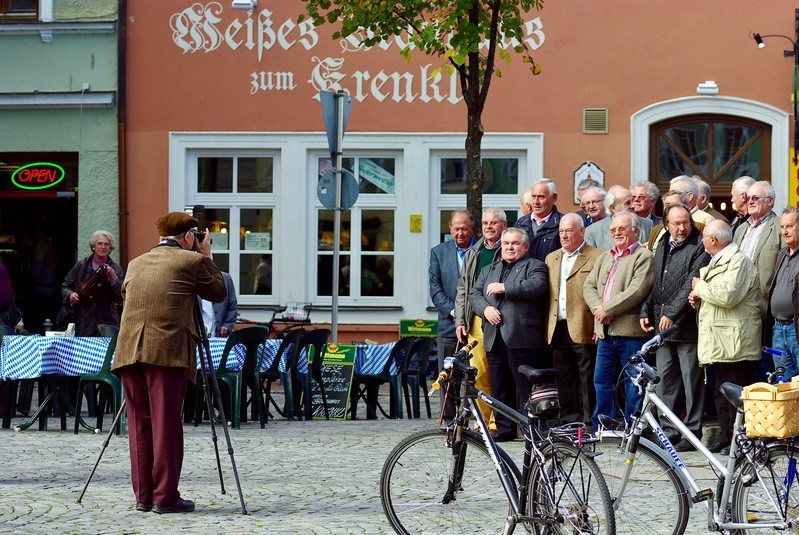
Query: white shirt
point(208, 318)
point(566, 264)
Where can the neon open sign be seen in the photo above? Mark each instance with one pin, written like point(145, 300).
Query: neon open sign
point(38, 175)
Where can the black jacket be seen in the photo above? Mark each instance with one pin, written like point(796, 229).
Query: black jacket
point(674, 269)
point(546, 240)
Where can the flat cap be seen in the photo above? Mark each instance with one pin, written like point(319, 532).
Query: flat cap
point(175, 224)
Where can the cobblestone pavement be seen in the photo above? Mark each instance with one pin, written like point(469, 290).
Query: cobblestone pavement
point(296, 477)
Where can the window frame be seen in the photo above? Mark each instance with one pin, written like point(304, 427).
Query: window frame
point(6, 15)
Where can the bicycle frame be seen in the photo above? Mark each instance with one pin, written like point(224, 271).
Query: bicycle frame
point(717, 516)
point(468, 393)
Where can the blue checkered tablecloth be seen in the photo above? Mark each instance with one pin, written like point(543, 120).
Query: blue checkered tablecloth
point(29, 357)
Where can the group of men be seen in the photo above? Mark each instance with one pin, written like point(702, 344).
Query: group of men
point(583, 291)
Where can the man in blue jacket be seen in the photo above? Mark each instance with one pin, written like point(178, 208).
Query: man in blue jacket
point(541, 225)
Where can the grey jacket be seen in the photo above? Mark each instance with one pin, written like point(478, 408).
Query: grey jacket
point(463, 308)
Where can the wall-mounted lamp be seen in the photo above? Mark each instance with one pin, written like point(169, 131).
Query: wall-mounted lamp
point(792, 53)
point(245, 5)
point(708, 87)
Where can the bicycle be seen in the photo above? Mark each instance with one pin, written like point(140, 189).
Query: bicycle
point(443, 480)
point(298, 318)
point(754, 490)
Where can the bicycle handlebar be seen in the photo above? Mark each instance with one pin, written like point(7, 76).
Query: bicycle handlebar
point(658, 340)
point(638, 361)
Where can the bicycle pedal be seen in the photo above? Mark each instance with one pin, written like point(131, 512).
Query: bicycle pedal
point(702, 496)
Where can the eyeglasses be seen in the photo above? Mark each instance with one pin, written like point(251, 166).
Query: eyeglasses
point(591, 203)
point(618, 230)
point(757, 198)
point(102, 244)
point(566, 231)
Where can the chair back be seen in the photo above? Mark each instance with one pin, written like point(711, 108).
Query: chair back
point(415, 362)
point(251, 338)
point(290, 342)
point(109, 353)
point(315, 339)
point(399, 353)
point(107, 330)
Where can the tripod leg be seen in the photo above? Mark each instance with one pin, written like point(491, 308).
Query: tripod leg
point(208, 362)
point(105, 445)
point(210, 407)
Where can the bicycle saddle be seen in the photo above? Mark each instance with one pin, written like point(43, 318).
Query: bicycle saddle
point(275, 308)
point(538, 376)
point(733, 394)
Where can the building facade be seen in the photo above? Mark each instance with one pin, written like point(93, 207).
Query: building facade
point(223, 111)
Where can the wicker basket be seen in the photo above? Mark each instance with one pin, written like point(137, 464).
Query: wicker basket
point(298, 311)
point(772, 410)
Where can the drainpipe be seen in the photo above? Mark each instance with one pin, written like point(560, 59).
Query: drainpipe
point(122, 135)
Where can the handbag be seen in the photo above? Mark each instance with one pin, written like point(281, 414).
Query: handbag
point(64, 317)
point(12, 315)
point(91, 289)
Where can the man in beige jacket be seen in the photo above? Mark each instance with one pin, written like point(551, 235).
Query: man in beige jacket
point(614, 290)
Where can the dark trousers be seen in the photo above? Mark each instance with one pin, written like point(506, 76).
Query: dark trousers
point(575, 365)
point(742, 373)
point(507, 384)
point(154, 397)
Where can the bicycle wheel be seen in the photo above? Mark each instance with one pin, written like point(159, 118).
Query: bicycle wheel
point(569, 491)
point(760, 488)
point(650, 477)
point(415, 478)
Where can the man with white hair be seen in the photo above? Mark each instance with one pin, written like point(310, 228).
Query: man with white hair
point(592, 204)
point(645, 196)
point(738, 198)
point(759, 238)
point(582, 187)
point(703, 201)
point(541, 224)
point(617, 199)
point(687, 185)
point(526, 201)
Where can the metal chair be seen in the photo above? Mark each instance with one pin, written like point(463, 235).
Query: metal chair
point(366, 386)
point(237, 381)
point(288, 346)
point(103, 378)
point(413, 378)
point(313, 342)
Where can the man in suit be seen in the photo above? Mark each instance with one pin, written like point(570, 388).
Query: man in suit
point(570, 324)
point(156, 354)
point(645, 195)
point(703, 201)
point(219, 318)
point(614, 291)
point(738, 192)
point(759, 237)
point(508, 296)
point(617, 199)
point(446, 264)
point(541, 224)
point(592, 204)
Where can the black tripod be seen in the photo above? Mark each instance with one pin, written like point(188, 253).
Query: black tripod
point(206, 363)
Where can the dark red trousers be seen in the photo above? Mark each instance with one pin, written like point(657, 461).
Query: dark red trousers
point(154, 398)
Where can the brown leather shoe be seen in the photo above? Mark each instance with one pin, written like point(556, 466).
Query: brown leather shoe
point(144, 507)
point(180, 506)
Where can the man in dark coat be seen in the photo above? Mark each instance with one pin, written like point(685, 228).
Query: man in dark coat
point(541, 225)
point(680, 254)
point(509, 296)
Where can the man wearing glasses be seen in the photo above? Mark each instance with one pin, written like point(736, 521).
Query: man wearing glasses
point(759, 238)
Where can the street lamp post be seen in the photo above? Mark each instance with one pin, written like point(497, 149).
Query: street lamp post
point(793, 52)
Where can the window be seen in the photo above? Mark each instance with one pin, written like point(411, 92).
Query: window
point(719, 148)
point(24, 9)
point(239, 198)
point(366, 263)
point(502, 187)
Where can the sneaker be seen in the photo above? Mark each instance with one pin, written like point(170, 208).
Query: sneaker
point(180, 506)
point(719, 446)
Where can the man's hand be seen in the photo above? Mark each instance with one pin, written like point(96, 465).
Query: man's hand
point(645, 325)
point(492, 315)
point(495, 288)
point(461, 333)
point(601, 316)
point(693, 299)
point(694, 282)
point(665, 323)
point(203, 247)
point(73, 298)
point(224, 331)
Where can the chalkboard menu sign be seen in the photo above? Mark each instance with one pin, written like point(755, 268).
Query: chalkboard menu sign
point(337, 371)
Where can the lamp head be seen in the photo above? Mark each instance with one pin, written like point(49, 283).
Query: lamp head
point(759, 40)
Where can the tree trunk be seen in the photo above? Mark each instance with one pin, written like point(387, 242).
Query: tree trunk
point(474, 169)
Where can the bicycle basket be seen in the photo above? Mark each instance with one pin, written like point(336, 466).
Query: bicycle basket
point(298, 311)
point(771, 410)
point(543, 401)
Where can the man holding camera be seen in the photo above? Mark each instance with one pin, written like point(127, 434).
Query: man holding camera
point(156, 354)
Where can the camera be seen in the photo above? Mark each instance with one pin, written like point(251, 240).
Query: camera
point(196, 211)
